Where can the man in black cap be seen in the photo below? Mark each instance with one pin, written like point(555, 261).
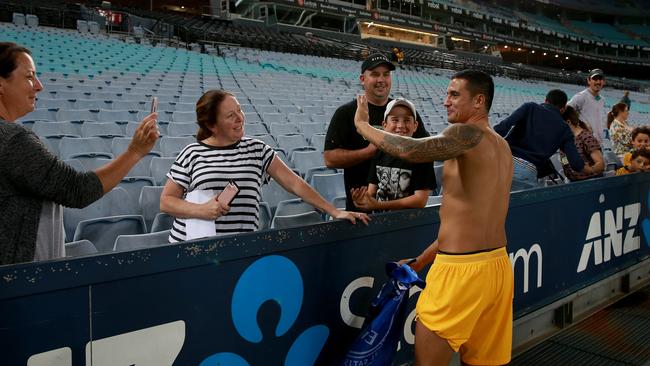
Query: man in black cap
point(591, 105)
point(344, 147)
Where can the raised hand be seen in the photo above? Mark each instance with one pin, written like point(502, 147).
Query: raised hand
point(145, 135)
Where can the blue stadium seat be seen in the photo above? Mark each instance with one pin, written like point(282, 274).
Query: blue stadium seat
point(273, 193)
point(329, 186)
point(103, 231)
point(101, 129)
point(134, 185)
point(159, 168)
point(292, 207)
point(179, 129)
point(303, 219)
point(71, 147)
point(254, 129)
point(149, 202)
point(162, 222)
point(79, 248)
point(278, 129)
point(305, 160)
point(60, 129)
point(265, 216)
point(141, 241)
point(172, 146)
point(115, 202)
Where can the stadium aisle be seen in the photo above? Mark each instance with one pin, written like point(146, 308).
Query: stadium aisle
point(616, 335)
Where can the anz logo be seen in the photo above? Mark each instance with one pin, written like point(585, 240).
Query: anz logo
point(611, 233)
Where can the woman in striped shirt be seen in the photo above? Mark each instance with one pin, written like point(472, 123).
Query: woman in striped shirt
point(221, 154)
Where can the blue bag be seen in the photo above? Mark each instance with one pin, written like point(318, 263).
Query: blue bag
point(377, 343)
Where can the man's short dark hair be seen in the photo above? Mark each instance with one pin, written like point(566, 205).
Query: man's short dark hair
point(557, 98)
point(478, 82)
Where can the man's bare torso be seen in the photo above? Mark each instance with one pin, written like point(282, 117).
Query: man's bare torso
point(476, 197)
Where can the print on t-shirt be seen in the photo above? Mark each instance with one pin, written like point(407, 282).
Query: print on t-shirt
point(393, 183)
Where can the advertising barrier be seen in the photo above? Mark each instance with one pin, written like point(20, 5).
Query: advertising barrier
point(296, 296)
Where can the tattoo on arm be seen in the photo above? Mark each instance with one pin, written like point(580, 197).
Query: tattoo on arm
point(452, 142)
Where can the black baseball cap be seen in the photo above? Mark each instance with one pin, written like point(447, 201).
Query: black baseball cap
point(375, 60)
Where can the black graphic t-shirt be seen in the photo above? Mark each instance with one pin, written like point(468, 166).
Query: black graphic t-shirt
point(396, 178)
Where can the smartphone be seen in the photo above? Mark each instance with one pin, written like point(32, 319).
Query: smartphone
point(229, 193)
point(154, 104)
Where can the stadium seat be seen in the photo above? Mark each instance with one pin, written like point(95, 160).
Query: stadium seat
point(433, 201)
point(162, 222)
point(101, 129)
point(307, 218)
point(172, 146)
point(278, 129)
point(18, 19)
point(318, 141)
point(291, 142)
point(292, 207)
point(273, 193)
point(265, 216)
point(159, 168)
point(179, 129)
point(339, 202)
point(329, 186)
point(103, 231)
point(318, 170)
point(134, 184)
point(141, 241)
point(267, 139)
point(115, 202)
point(305, 160)
point(149, 202)
point(79, 248)
point(59, 129)
point(254, 129)
point(69, 147)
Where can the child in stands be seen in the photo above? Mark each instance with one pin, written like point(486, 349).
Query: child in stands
point(639, 162)
point(640, 140)
point(393, 183)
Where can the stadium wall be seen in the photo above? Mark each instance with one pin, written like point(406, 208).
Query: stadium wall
point(297, 296)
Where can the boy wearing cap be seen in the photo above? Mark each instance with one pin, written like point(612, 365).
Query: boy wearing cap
point(591, 105)
point(344, 147)
point(393, 183)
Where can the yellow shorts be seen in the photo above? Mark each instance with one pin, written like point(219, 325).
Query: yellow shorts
point(468, 302)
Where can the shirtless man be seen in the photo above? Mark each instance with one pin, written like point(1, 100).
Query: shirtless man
point(467, 304)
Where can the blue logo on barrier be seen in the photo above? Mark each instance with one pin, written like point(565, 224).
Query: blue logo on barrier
point(278, 279)
point(645, 225)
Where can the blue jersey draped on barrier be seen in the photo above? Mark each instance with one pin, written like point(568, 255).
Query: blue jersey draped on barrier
point(296, 296)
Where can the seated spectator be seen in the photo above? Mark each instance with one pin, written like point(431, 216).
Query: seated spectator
point(640, 140)
point(619, 131)
point(34, 184)
point(588, 147)
point(639, 162)
point(535, 132)
point(221, 154)
point(394, 183)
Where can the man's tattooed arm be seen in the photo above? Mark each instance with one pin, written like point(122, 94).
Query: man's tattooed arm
point(452, 142)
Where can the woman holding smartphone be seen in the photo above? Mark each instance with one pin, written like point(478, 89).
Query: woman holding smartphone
point(34, 184)
point(222, 154)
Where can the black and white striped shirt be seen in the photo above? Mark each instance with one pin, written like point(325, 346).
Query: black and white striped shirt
point(201, 166)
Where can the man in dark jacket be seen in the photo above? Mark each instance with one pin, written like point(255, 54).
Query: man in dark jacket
point(535, 132)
